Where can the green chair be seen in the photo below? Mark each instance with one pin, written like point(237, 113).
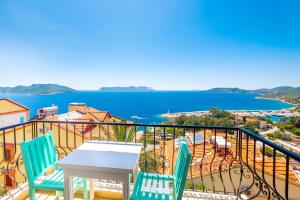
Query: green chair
point(40, 157)
point(157, 186)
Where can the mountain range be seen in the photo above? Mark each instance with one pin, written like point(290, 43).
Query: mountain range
point(276, 90)
point(285, 93)
point(36, 89)
point(292, 94)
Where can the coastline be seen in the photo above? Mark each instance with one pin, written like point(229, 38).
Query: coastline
point(31, 94)
point(277, 99)
point(261, 113)
point(282, 112)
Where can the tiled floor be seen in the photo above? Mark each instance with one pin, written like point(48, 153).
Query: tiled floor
point(103, 195)
point(106, 195)
point(108, 192)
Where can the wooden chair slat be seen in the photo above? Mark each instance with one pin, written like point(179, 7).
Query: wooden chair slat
point(39, 156)
point(157, 186)
point(160, 189)
point(153, 189)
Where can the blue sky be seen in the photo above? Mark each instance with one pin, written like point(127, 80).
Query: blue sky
point(168, 45)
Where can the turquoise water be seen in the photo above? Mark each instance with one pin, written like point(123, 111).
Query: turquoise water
point(275, 118)
point(148, 105)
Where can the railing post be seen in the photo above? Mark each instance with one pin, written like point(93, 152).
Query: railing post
point(287, 177)
point(241, 154)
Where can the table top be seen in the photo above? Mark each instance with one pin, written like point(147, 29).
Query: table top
point(103, 156)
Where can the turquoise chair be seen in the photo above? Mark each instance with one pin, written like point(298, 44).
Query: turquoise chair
point(40, 157)
point(157, 186)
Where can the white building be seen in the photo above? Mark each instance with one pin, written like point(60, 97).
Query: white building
point(12, 113)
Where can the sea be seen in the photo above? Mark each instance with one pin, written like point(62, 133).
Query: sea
point(146, 107)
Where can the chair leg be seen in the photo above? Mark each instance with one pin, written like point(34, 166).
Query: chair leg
point(31, 194)
point(85, 191)
point(58, 194)
point(91, 188)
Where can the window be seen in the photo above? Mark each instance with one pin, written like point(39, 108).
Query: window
point(22, 119)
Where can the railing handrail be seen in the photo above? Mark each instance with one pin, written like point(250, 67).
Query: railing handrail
point(283, 150)
point(242, 140)
point(139, 124)
point(15, 125)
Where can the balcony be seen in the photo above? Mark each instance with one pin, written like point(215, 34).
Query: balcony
point(227, 162)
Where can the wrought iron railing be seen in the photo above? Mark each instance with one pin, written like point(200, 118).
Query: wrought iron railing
point(242, 163)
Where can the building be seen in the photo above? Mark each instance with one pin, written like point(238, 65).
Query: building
point(246, 168)
point(67, 135)
point(12, 113)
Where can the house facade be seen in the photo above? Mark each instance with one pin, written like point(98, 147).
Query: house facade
point(67, 135)
point(12, 113)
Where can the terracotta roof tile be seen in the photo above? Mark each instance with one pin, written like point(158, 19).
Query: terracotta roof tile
point(217, 157)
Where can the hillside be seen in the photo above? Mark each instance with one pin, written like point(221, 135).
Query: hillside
point(127, 89)
point(36, 89)
point(286, 93)
point(277, 90)
point(281, 89)
point(228, 90)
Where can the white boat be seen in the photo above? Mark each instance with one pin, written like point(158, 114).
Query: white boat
point(136, 117)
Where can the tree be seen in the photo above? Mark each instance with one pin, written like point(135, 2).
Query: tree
point(296, 131)
point(252, 126)
point(214, 111)
point(123, 133)
point(279, 135)
point(148, 162)
point(293, 125)
point(181, 119)
point(295, 121)
point(217, 118)
point(148, 138)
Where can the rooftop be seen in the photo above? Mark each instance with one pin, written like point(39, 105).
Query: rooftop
point(81, 112)
point(9, 106)
point(250, 162)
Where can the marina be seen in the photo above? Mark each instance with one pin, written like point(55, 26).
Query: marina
point(269, 114)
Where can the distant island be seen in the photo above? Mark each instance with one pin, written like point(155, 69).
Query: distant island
point(127, 89)
point(36, 89)
point(284, 93)
point(228, 90)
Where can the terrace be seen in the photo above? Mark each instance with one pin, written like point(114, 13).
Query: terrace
point(246, 166)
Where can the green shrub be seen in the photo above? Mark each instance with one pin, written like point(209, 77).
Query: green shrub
point(149, 139)
point(279, 135)
point(296, 131)
point(148, 162)
point(217, 118)
point(269, 152)
point(252, 126)
point(189, 185)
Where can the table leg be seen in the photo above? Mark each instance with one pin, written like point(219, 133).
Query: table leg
point(135, 173)
point(92, 189)
point(126, 188)
point(68, 183)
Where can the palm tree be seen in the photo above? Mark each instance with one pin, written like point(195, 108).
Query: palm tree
point(123, 133)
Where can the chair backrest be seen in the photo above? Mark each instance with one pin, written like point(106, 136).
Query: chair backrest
point(39, 155)
point(181, 170)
